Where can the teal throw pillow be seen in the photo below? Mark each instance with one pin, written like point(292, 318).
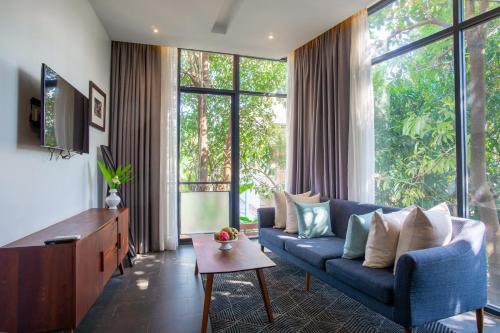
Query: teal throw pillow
point(358, 228)
point(313, 220)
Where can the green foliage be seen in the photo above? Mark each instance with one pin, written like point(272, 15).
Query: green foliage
point(414, 127)
point(415, 107)
point(118, 177)
point(245, 219)
point(262, 135)
point(263, 75)
point(406, 21)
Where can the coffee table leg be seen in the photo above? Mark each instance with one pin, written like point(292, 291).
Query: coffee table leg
point(265, 295)
point(206, 304)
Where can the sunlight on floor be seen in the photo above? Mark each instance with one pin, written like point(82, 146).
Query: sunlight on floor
point(142, 284)
point(466, 323)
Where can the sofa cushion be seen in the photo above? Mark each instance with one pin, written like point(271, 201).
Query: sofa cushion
point(276, 237)
point(280, 208)
point(341, 210)
point(291, 212)
point(358, 229)
point(313, 220)
point(376, 282)
point(424, 229)
point(316, 251)
point(382, 243)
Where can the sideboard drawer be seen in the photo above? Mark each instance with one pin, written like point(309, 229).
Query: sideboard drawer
point(108, 238)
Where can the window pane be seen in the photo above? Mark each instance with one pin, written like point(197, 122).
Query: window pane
point(483, 138)
point(263, 75)
point(205, 138)
point(206, 70)
point(414, 128)
point(406, 21)
point(475, 7)
point(203, 212)
point(262, 153)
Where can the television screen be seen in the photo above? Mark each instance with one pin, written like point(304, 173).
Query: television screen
point(64, 117)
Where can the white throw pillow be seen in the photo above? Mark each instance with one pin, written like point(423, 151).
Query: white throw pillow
point(383, 238)
point(424, 229)
point(280, 208)
point(291, 212)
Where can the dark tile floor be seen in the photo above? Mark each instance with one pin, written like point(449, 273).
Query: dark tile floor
point(161, 294)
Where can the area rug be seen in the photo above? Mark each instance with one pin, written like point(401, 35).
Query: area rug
point(237, 306)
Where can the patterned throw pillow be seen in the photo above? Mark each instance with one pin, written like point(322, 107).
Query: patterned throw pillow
point(358, 229)
point(291, 212)
point(313, 220)
point(280, 208)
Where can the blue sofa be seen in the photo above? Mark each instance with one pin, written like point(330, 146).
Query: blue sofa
point(429, 284)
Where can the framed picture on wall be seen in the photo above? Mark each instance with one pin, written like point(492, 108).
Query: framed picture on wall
point(97, 104)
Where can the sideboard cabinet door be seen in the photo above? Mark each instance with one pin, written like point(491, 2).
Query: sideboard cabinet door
point(122, 236)
point(88, 274)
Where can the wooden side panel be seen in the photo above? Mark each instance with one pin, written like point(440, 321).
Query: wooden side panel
point(108, 239)
point(37, 289)
point(9, 284)
point(88, 274)
point(122, 235)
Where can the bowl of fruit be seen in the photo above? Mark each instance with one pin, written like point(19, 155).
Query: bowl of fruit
point(225, 237)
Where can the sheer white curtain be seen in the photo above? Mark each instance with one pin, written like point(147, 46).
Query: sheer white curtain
point(168, 153)
point(361, 156)
point(289, 118)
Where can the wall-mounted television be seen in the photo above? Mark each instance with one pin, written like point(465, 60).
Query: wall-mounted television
point(64, 114)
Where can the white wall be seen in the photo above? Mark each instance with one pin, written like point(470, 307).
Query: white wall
point(35, 191)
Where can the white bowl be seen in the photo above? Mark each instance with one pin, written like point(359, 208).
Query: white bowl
point(226, 245)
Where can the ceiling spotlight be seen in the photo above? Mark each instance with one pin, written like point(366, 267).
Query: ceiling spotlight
point(270, 36)
point(155, 30)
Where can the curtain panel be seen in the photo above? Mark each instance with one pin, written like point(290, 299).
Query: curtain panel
point(166, 238)
point(135, 132)
point(320, 123)
point(361, 165)
point(290, 99)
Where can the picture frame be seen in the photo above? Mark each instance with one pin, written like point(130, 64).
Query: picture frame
point(97, 105)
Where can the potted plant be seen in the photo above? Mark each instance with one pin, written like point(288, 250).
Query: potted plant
point(115, 178)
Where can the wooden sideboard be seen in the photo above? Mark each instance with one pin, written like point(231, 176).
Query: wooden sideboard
point(51, 287)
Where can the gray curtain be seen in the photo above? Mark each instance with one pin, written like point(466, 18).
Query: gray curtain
point(320, 116)
point(135, 133)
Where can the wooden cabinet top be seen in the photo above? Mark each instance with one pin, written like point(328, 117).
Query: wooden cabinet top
point(83, 224)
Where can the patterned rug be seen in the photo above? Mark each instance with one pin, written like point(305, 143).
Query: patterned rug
point(237, 306)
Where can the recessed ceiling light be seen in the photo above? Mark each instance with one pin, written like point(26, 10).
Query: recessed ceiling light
point(155, 30)
point(270, 36)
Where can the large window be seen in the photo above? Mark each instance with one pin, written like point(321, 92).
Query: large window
point(437, 110)
point(415, 136)
point(231, 139)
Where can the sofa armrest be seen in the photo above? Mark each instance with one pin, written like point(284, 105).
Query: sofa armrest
point(441, 282)
point(265, 217)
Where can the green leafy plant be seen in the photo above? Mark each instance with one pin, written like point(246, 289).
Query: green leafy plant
point(118, 177)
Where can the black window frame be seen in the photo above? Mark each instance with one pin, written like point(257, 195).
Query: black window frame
point(235, 93)
point(456, 30)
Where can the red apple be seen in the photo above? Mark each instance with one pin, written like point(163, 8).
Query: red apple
point(224, 236)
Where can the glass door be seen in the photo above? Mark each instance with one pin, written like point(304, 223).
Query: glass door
point(232, 125)
point(205, 163)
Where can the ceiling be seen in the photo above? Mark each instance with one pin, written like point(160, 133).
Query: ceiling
point(240, 26)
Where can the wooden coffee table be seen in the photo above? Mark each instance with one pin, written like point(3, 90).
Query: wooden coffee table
point(244, 256)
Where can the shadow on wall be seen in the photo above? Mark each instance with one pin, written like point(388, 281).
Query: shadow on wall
point(101, 187)
point(28, 87)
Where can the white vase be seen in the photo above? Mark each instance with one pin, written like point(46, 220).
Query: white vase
point(113, 200)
